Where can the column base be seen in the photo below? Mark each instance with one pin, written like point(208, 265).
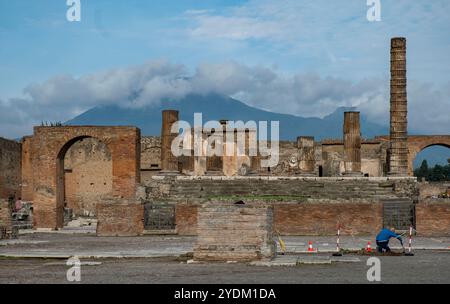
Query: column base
point(214, 173)
point(353, 174)
point(169, 173)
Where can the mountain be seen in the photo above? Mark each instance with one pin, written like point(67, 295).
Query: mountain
point(217, 107)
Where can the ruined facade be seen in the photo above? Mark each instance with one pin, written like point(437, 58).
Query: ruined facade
point(111, 172)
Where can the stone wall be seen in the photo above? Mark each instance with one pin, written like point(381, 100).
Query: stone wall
point(118, 217)
point(229, 232)
point(373, 158)
point(433, 218)
point(194, 189)
point(10, 169)
point(6, 226)
point(429, 190)
point(88, 175)
point(323, 218)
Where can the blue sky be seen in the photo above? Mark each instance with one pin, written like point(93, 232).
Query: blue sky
point(292, 56)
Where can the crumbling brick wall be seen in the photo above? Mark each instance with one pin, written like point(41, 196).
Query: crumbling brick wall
point(6, 226)
point(229, 232)
point(118, 217)
point(10, 169)
point(49, 146)
point(433, 217)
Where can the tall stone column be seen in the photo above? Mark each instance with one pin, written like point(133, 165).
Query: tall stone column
point(169, 163)
point(352, 144)
point(307, 159)
point(214, 164)
point(398, 161)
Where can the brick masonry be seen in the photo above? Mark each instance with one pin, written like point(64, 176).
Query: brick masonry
point(10, 168)
point(323, 218)
point(120, 218)
point(49, 145)
point(186, 219)
point(433, 218)
point(228, 232)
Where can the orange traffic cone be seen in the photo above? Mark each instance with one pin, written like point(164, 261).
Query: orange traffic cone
point(369, 247)
point(310, 247)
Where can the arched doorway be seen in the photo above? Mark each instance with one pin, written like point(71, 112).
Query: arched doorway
point(49, 147)
point(425, 162)
point(84, 175)
point(419, 143)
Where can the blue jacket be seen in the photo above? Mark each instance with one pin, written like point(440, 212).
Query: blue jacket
point(385, 235)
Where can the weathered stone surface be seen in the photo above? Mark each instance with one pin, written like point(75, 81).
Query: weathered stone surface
point(169, 162)
point(229, 232)
point(118, 217)
point(7, 231)
point(10, 169)
point(352, 143)
point(399, 110)
point(433, 217)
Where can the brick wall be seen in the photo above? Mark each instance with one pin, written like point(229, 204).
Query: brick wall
point(186, 219)
point(27, 170)
point(322, 218)
point(10, 168)
point(50, 144)
point(305, 218)
point(124, 218)
point(88, 175)
point(228, 232)
point(433, 217)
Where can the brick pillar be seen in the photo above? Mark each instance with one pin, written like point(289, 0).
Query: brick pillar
point(352, 144)
point(169, 163)
point(307, 158)
point(398, 161)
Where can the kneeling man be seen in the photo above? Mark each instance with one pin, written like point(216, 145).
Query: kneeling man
point(383, 239)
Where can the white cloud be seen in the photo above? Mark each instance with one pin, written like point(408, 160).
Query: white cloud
point(63, 97)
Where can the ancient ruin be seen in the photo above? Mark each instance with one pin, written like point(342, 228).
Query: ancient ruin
point(133, 184)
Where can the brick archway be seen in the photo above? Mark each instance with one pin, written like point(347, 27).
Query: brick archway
point(49, 143)
point(418, 143)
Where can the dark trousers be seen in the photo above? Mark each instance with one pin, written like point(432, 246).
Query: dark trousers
point(383, 246)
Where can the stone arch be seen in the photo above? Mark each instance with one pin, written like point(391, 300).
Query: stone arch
point(416, 144)
point(83, 174)
point(50, 143)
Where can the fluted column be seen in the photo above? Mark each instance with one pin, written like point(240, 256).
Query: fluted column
point(307, 159)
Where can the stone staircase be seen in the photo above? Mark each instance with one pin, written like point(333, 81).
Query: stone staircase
point(302, 189)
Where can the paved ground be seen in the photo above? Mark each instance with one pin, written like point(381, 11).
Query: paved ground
point(424, 267)
point(63, 245)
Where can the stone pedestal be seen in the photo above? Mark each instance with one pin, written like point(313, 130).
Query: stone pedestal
point(230, 232)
